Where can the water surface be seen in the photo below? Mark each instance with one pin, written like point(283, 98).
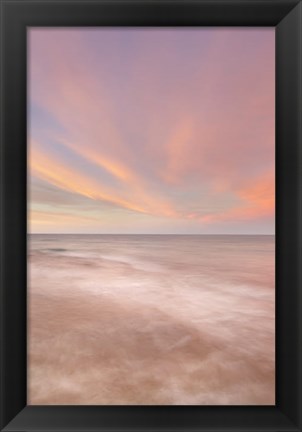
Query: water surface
point(151, 319)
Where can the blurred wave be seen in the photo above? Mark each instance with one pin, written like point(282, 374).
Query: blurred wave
point(151, 319)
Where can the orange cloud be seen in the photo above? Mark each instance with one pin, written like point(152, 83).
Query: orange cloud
point(137, 184)
point(58, 218)
point(50, 169)
point(258, 202)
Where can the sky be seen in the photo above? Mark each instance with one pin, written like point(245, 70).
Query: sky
point(151, 130)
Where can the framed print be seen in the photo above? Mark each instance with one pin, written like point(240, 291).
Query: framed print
point(147, 243)
point(150, 231)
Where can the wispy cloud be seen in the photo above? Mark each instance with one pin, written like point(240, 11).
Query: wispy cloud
point(173, 124)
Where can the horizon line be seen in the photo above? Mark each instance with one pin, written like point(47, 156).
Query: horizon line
point(157, 234)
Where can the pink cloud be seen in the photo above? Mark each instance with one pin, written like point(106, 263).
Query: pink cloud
point(163, 123)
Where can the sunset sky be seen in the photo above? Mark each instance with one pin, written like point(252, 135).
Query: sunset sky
point(151, 130)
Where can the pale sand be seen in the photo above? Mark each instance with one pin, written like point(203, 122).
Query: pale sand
point(149, 343)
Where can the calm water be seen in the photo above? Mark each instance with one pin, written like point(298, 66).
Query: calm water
point(146, 319)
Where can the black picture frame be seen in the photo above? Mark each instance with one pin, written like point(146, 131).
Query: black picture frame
point(16, 16)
